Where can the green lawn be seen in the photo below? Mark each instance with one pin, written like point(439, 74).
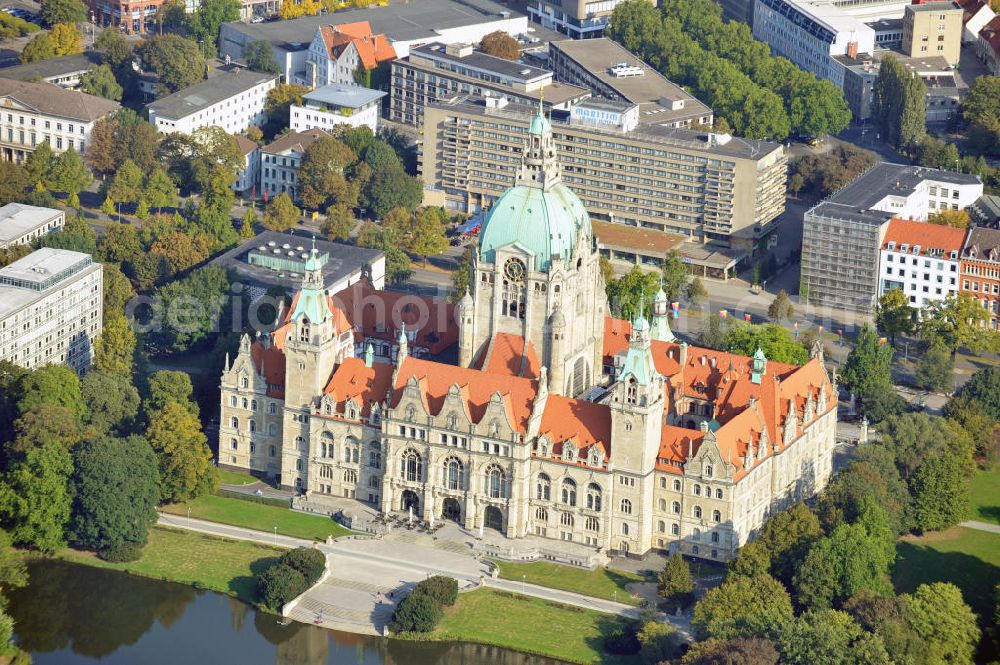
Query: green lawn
point(600, 582)
point(259, 516)
point(205, 561)
point(487, 616)
point(968, 558)
point(985, 504)
point(235, 477)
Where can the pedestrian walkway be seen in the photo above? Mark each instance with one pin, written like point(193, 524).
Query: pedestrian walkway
point(981, 526)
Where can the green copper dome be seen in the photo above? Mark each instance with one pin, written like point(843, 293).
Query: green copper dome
point(539, 124)
point(544, 223)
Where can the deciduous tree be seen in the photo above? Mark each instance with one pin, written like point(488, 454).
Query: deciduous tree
point(70, 175)
point(781, 308)
point(775, 341)
point(176, 61)
point(14, 181)
point(57, 385)
point(840, 565)
point(830, 636)
point(115, 347)
point(935, 369)
point(127, 184)
point(34, 497)
point(500, 44)
point(940, 617)
point(259, 56)
point(169, 386)
point(321, 176)
point(743, 607)
point(101, 81)
point(185, 461)
point(894, 316)
point(281, 214)
point(737, 651)
point(63, 11)
point(66, 39)
point(39, 48)
point(112, 401)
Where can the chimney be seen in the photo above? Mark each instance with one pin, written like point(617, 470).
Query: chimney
point(852, 50)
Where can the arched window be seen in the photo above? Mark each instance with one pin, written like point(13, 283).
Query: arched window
point(454, 474)
point(232, 401)
point(347, 453)
point(716, 516)
point(253, 405)
point(271, 451)
point(624, 529)
point(245, 382)
point(569, 492)
point(234, 422)
point(696, 534)
point(697, 512)
point(272, 429)
point(662, 505)
point(718, 493)
point(328, 447)
point(354, 454)
point(495, 482)
point(300, 443)
point(715, 537)
point(566, 519)
point(663, 483)
point(411, 466)
point(246, 403)
point(697, 490)
point(675, 530)
point(593, 524)
point(351, 476)
point(626, 506)
point(708, 470)
point(326, 472)
point(677, 485)
point(252, 426)
point(661, 526)
point(374, 458)
point(452, 421)
point(541, 514)
point(298, 465)
point(675, 507)
point(543, 487)
point(632, 392)
point(594, 496)
point(328, 409)
point(272, 408)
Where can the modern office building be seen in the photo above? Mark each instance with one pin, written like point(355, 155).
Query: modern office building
point(20, 224)
point(50, 309)
point(577, 19)
point(32, 113)
point(233, 101)
point(921, 259)
point(843, 235)
point(933, 28)
point(703, 186)
point(405, 25)
point(440, 72)
point(578, 433)
point(343, 53)
point(613, 73)
point(980, 266)
point(280, 161)
point(338, 104)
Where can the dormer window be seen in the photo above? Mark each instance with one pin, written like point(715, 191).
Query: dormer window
point(569, 451)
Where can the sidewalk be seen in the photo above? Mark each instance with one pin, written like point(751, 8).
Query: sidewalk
point(981, 526)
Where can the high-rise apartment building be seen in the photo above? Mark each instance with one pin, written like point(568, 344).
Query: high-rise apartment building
point(704, 186)
point(51, 303)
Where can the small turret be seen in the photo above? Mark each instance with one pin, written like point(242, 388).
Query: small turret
point(369, 355)
point(660, 330)
point(759, 367)
point(404, 346)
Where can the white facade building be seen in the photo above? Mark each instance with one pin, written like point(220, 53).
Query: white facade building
point(20, 224)
point(333, 105)
point(31, 113)
point(280, 161)
point(232, 101)
point(51, 304)
point(247, 177)
point(922, 259)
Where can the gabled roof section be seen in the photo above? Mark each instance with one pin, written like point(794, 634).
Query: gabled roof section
point(55, 101)
point(269, 362)
point(924, 235)
point(378, 314)
point(586, 423)
point(509, 355)
point(353, 380)
point(294, 141)
point(372, 49)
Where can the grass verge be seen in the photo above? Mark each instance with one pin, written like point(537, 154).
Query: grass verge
point(967, 558)
point(600, 582)
point(235, 477)
point(258, 516)
point(985, 496)
point(531, 625)
point(220, 564)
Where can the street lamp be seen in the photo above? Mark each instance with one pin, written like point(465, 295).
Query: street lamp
point(524, 578)
point(275, 536)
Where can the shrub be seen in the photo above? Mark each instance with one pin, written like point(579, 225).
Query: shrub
point(659, 642)
point(123, 552)
point(417, 613)
point(308, 561)
point(279, 584)
point(441, 588)
point(622, 640)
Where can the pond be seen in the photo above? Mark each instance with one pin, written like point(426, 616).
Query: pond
point(71, 614)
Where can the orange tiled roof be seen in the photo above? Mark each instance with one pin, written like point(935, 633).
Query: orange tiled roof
point(269, 361)
point(926, 235)
point(507, 355)
point(372, 49)
point(587, 423)
point(365, 385)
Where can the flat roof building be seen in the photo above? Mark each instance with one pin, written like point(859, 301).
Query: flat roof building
point(20, 224)
point(405, 25)
point(614, 73)
point(705, 187)
point(933, 29)
point(336, 104)
point(50, 309)
point(842, 236)
point(64, 71)
point(233, 101)
point(921, 259)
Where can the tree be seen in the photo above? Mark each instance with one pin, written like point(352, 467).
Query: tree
point(281, 214)
point(397, 263)
point(13, 572)
point(159, 190)
point(339, 222)
point(935, 369)
point(247, 224)
point(56, 385)
point(127, 184)
point(177, 62)
point(775, 341)
point(115, 347)
point(115, 493)
point(898, 104)
point(45, 424)
point(39, 48)
point(66, 39)
point(675, 275)
point(100, 150)
point(63, 11)
point(675, 582)
point(190, 308)
point(781, 308)
point(181, 251)
point(206, 21)
point(940, 489)
point(894, 316)
point(713, 333)
point(259, 57)
point(278, 102)
point(788, 537)
point(279, 584)
point(417, 613)
point(696, 292)
point(958, 321)
point(939, 616)
point(840, 565)
point(34, 499)
point(632, 292)
point(391, 188)
point(112, 401)
point(659, 642)
point(76, 235)
point(101, 81)
point(867, 367)
point(39, 163)
point(830, 636)
point(307, 560)
point(958, 219)
point(13, 181)
point(185, 461)
point(743, 607)
point(500, 44)
point(171, 16)
point(443, 589)
point(884, 616)
point(169, 386)
point(981, 109)
point(984, 387)
point(69, 174)
point(738, 651)
point(429, 232)
point(321, 175)
point(971, 416)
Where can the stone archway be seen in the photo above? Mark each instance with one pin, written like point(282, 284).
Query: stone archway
point(451, 509)
point(410, 499)
point(493, 518)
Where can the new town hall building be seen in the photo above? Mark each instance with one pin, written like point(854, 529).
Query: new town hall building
point(559, 421)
